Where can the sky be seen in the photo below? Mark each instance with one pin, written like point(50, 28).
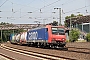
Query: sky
point(29, 11)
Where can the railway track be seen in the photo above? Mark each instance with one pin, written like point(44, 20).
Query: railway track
point(35, 54)
point(74, 49)
point(6, 57)
point(79, 50)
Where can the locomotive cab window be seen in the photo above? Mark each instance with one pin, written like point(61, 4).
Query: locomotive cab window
point(58, 31)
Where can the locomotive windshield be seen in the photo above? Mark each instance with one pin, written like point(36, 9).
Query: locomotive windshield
point(58, 31)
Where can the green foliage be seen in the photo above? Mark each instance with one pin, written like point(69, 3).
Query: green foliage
point(0, 40)
point(71, 16)
point(68, 17)
point(3, 23)
point(80, 15)
point(74, 35)
point(55, 23)
point(88, 37)
point(6, 33)
point(67, 40)
point(66, 24)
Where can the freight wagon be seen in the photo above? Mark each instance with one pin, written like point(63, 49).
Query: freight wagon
point(18, 38)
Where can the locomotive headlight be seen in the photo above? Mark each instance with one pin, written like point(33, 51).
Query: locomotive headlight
point(63, 39)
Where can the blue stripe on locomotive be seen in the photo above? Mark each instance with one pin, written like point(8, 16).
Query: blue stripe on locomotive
point(37, 34)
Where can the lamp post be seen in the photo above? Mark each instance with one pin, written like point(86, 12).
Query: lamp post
point(59, 15)
point(0, 11)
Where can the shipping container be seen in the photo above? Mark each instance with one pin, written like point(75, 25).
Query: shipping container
point(23, 37)
point(12, 38)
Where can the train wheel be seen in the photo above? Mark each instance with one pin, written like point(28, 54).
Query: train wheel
point(37, 45)
point(51, 46)
point(21, 44)
point(28, 44)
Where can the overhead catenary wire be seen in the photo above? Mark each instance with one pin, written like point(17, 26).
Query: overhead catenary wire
point(86, 8)
point(44, 7)
point(62, 4)
point(37, 9)
point(3, 3)
point(23, 5)
point(21, 8)
point(68, 11)
point(77, 9)
point(47, 6)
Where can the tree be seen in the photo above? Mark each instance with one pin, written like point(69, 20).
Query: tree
point(74, 35)
point(67, 18)
point(55, 23)
point(3, 23)
point(6, 33)
point(80, 15)
point(88, 37)
point(72, 15)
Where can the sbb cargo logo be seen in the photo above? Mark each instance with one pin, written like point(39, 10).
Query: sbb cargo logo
point(33, 35)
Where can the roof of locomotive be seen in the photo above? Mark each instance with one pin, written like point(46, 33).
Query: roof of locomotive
point(45, 26)
point(40, 27)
